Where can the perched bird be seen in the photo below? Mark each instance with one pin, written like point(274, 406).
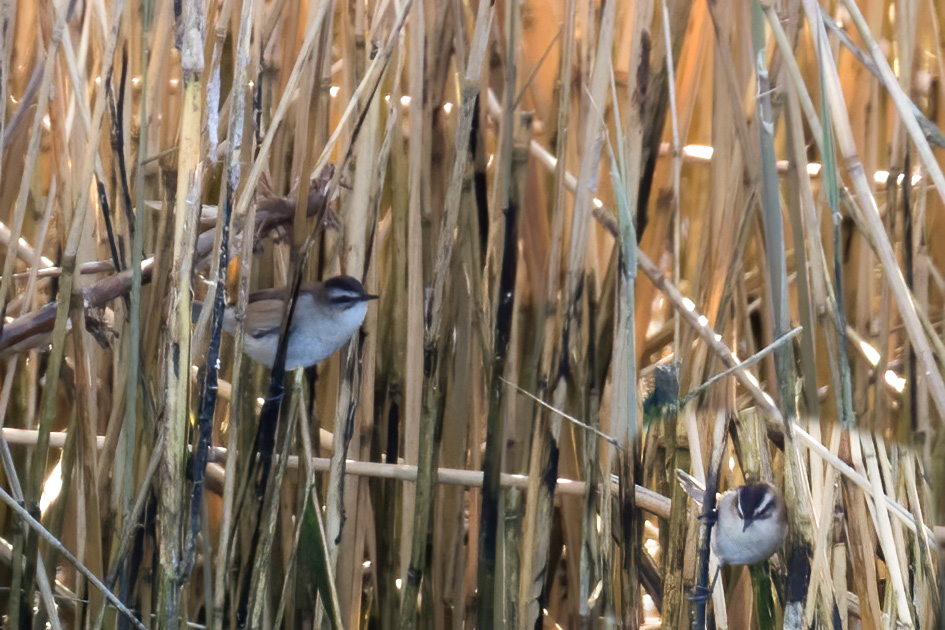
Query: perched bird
point(326, 315)
point(750, 522)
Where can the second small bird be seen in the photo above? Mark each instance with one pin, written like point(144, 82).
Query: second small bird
point(751, 525)
point(326, 315)
point(750, 520)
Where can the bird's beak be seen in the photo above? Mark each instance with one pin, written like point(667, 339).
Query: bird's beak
point(747, 523)
point(370, 297)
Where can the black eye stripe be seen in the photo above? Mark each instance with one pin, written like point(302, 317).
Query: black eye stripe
point(344, 299)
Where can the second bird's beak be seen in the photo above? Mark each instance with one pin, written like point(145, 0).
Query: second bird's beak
point(748, 521)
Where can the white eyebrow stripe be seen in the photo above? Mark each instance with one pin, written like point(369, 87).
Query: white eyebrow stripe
point(765, 504)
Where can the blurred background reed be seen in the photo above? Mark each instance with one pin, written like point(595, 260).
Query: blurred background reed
point(576, 213)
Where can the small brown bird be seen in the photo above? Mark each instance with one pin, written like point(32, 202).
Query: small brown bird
point(326, 315)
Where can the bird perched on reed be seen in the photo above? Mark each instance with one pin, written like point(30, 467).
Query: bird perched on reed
point(750, 521)
point(326, 315)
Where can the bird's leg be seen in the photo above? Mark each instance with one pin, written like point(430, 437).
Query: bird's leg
point(701, 593)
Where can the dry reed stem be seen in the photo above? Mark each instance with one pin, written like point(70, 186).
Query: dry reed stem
point(503, 259)
point(625, 173)
point(76, 229)
point(713, 340)
point(234, 137)
point(538, 500)
point(870, 213)
point(580, 277)
point(54, 542)
point(431, 333)
point(415, 329)
point(885, 536)
point(8, 465)
point(177, 348)
point(646, 498)
point(33, 150)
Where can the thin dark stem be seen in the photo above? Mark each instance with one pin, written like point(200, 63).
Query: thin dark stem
point(109, 230)
point(118, 135)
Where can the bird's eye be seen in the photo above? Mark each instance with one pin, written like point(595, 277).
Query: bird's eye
point(343, 299)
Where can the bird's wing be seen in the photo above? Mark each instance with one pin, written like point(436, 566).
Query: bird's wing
point(263, 317)
point(265, 309)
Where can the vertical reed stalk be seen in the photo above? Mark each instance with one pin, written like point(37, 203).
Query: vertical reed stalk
point(177, 345)
point(488, 614)
point(416, 433)
point(626, 169)
point(37, 470)
point(430, 420)
point(543, 449)
point(129, 427)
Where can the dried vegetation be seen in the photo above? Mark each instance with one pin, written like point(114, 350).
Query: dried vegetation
point(612, 239)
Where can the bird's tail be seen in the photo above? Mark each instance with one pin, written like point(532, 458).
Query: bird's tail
point(691, 486)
